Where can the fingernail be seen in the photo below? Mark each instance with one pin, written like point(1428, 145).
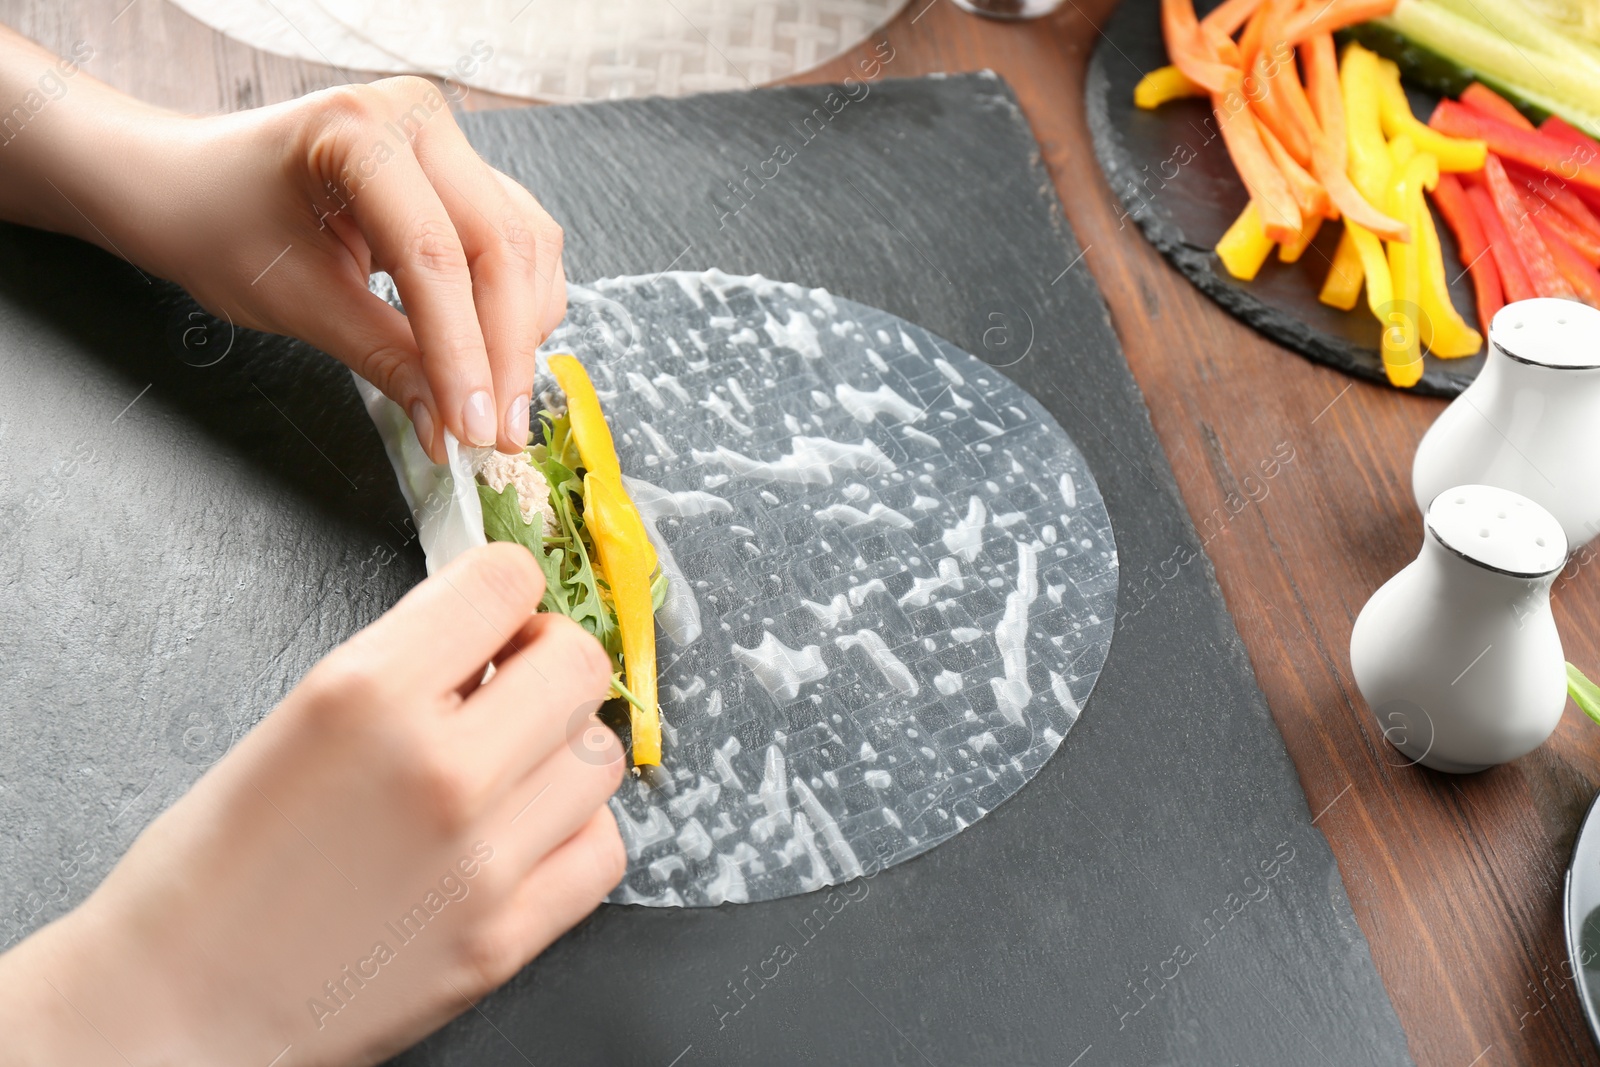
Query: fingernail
point(422, 422)
point(517, 420)
point(478, 417)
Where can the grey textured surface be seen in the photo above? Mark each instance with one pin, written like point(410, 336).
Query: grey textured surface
point(893, 580)
point(1176, 183)
point(1156, 895)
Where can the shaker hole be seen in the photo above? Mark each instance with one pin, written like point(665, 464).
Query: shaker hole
point(1501, 515)
point(1461, 500)
point(1539, 541)
point(1483, 533)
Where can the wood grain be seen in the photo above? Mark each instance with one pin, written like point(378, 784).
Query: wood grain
point(1456, 881)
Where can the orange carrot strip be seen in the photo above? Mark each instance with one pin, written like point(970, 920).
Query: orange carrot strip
point(1229, 15)
point(1262, 180)
point(1271, 103)
point(1189, 51)
point(1295, 93)
point(1250, 39)
point(1309, 195)
point(1329, 146)
point(1327, 18)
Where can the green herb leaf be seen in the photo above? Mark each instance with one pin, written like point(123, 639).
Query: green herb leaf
point(1584, 693)
point(565, 550)
point(502, 521)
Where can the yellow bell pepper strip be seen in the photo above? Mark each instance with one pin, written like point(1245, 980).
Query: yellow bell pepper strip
point(589, 429)
point(627, 560)
point(1246, 245)
point(1444, 331)
point(1291, 251)
point(1456, 155)
point(1368, 164)
point(1343, 285)
point(1375, 265)
point(1162, 85)
point(1402, 334)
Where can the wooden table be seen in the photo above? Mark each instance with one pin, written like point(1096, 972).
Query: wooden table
point(1457, 882)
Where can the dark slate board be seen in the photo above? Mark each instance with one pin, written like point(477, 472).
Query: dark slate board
point(1156, 895)
point(1175, 180)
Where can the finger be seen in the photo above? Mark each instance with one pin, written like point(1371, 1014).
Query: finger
point(366, 334)
point(512, 247)
point(551, 275)
point(569, 884)
point(413, 237)
point(556, 309)
point(541, 699)
point(552, 802)
point(447, 629)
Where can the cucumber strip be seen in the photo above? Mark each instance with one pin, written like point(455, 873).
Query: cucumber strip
point(1551, 83)
point(1506, 18)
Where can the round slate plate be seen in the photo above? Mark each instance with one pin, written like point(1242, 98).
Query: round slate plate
point(893, 581)
point(1175, 180)
point(1582, 914)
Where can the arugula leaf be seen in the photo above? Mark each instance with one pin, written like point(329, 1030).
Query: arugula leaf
point(1584, 693)
point(565, 551)
point(502, 521)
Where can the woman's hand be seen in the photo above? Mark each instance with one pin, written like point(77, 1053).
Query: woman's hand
point(390, 843)
point(273, 218)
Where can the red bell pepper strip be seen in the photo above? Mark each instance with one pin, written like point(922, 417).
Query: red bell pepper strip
point(1542, 270)
point(1577, 270)
point(1585, 150)
point(1532, 147)
point(1482, 98)
point(1513, 275)
point(1329, 148)
point(1190, 52)
point(1452, 202)
point(1564, 131)
point(1557, 194)
point(1585, 243)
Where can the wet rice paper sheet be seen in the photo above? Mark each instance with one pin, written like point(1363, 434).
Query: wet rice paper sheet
point(892, 577)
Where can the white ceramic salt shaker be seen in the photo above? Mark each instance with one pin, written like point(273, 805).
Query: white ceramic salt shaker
point(1527, 423)
point(1458, 654)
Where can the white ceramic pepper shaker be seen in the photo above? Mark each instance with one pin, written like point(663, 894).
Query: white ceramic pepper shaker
point(1458, 654)
point(1527, 422)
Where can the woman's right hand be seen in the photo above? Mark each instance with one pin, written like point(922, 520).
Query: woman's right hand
point(390, 843)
